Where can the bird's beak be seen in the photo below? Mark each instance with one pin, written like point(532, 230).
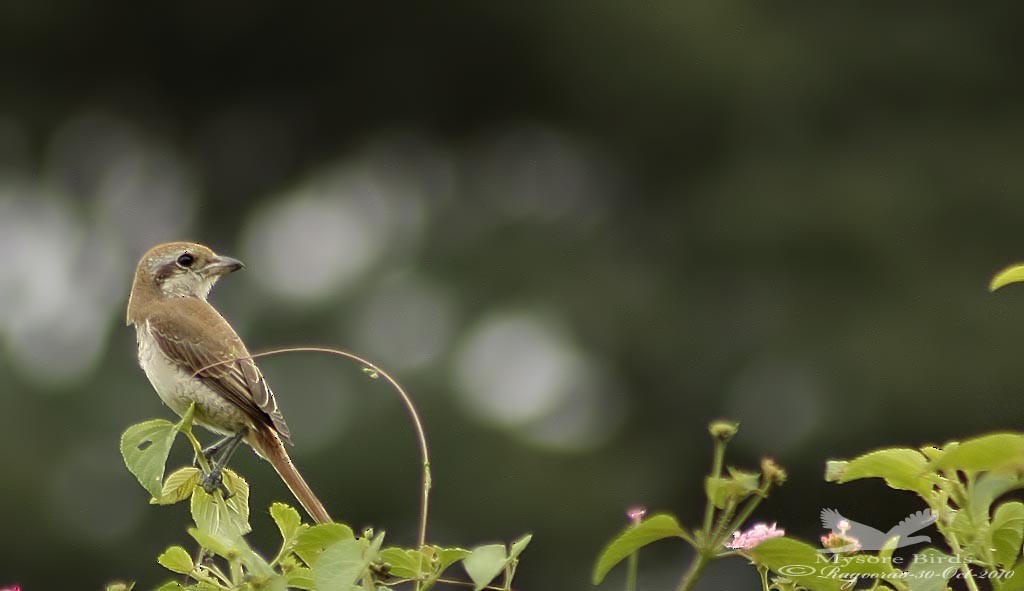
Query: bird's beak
point(1011, 274)
point(222, 265)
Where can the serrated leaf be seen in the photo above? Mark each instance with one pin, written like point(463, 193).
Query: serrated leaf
point(176, 559)
point(901, 468)
point(988, 452)
point(288, 521)
point(234, 549)
point(735, 487)
point(177, 487)
point(239, 501)
point(1007, 532)
point(145, 448)
point(798, 562)
point(218, 544)
point(405, 563)
point(311, 542)
point(339, 566)
point(215, 515)
point(989, 487)
point(657, 527)
point(484, 563)
point(301, 577)
point(930, 570)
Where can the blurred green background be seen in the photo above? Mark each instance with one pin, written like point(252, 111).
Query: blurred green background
point(576, 232)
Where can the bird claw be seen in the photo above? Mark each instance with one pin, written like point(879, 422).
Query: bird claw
point(214, 481)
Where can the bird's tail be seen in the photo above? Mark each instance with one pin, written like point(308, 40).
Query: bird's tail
point(267, 443)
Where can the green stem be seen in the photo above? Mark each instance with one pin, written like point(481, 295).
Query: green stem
point(185, 426)
point(965, 568)
point(632, 566)
point(764, 577)
point(700, 560)
point(717, 537)
point(716, 472)
point(748, 509)
point(373, 371)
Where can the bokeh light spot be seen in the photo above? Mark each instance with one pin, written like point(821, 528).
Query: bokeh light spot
point(518, 371)
point(405, 323)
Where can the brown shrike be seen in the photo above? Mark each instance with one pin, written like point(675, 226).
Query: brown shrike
point(192, 355)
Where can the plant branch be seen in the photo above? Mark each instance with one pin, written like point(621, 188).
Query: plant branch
point(374, 372)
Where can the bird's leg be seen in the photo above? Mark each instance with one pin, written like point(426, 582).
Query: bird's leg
point(214, 480)
point(211, 451)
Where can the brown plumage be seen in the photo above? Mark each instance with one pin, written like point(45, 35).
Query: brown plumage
point(191, 354)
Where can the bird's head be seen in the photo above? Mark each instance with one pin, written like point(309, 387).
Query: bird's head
point(1011, 274)
point(179, 269)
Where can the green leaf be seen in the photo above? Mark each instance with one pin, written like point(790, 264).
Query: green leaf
point(288, 521)
point(448, 556)
point(930, 569)
point(301, 577)
point(270, 582)
point(902, 468)
point(406, 563)
point(989, 487)
point(1008, 532)
point(170, 586)
point(145, 448)
point(177, 560)
point(735, 487)
point(1013, 579)
point(339, 566)
point(1011, 274)
point(119, 586)
point(988, 452)
point(177, 487)
point(655, 528)
point(518, 546)
point(484, 563)
point(213, 514)
point(311, 542)
point(798, 562)
point(218, 544)
point(239, 501)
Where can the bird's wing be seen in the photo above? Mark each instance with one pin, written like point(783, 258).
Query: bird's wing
point(914, 522)
point(830, 519)
point(868, 535)
point(191, 333)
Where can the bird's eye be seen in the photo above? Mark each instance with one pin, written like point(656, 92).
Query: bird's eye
point(186, 260)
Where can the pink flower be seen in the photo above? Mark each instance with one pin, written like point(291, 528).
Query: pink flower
point(14, 588)
point(635, 514)
point(753, 536)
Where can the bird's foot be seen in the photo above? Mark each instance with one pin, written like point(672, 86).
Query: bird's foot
point(213, 481)
point(210, 452)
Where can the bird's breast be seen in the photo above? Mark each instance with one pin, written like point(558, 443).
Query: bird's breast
point(178, 389)
point(175, 386)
